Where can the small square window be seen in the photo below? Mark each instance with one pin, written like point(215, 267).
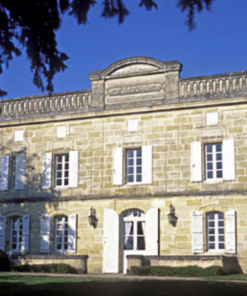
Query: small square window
point(132, 125)
point(61, 131)
point(18, 135)
point(212, 118)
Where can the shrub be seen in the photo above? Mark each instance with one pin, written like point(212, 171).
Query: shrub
point(4, 261)
point(49, 268)
point(187, 271)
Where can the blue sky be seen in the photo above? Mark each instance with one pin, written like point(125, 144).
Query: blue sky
point(217, 45)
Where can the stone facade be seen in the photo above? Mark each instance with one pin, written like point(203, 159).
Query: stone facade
point(171, 114)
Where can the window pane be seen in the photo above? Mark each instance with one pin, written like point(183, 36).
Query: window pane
point(66, 166)
point(218, 156)
point(219, 165)
point(210, 166)
point(211, 238)
point(59, 167)
point(209, 148)
point(130, 170)
point(221, 246)
point(221, 216)
point(209, 157)
point(211, 224)
point(128, 228)
point(211, 231)
point(139, 161)
point(130, 162)
point(139, 153)
point(66, 181)
point(219, 174)
point(128, 243)
point(59, 158)
point(140, 243)
point(67, 157)
point(59, 174)
point(211, 246)
point(130, 178)
point(221, 230)
point(221, 238)
point(139, 170)
point(130, 153)
point(140, 228)
point(138, 178)
point(218, 147)
point(221, 223)
point(66, 173)
point(59, 182)
point(210, 175)
point(211, 216)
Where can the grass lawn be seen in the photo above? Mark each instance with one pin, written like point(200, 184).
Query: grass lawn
point(26, 285)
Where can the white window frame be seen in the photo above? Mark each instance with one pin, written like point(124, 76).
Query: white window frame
point(19, 234)
point(214, 162)
point(63, 170)
point(63, 236)
point(216, 234)
point(135, 166)
point(13, 172)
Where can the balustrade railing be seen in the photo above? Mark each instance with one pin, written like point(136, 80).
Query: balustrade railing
point(45, 106)
point(212, 86)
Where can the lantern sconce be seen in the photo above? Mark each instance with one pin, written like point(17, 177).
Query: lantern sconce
point(93, 221)
point(171, 217)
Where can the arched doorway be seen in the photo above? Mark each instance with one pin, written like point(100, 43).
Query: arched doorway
point(133, 235)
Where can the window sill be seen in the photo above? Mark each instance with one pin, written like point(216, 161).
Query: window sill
point(216, 181)
point(61, 188)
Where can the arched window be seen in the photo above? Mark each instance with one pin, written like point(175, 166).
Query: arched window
point(215, 231)
point(61, 231)
point(16, 234)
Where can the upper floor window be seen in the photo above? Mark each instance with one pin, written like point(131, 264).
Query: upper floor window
point(215, 232)
point(62, 170)
point(213, 161)
point(134, 166)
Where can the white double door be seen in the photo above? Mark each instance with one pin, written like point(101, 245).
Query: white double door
point(133, 238)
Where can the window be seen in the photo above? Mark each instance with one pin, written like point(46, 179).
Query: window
point(61, 243)
point(16, 234)
point(134, 166)
point(62, 170)
point(213, 161)
point(13, 172)
point(215, 232)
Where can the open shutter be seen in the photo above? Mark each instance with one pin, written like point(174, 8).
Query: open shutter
point(111, 241)
point(20, 171)
point(197, 231)
point(2, 232)
point(147, 164)
point(25, 233)
point(47, 170)
point(196, 161)
point(4, 177)
point(230, 231)
point(152, 232)
point(117, 166)
point(72, 233)
point(228, 160)
point(73, 169)
point(45, 232)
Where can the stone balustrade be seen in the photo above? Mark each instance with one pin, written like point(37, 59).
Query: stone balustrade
point(45, 106)
point(213, 85)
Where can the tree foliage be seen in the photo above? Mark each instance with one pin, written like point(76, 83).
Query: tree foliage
point(32, 25)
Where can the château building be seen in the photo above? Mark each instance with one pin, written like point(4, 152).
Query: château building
point(143, 168)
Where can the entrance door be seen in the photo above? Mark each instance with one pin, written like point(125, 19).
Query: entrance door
point(133, 235)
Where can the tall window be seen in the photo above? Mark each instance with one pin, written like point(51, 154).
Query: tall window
point(62, 170)
point(134, 166)
point(16, 234)
point(13, 172)
point(213, 161)
point(61, 239)
point(215, 231)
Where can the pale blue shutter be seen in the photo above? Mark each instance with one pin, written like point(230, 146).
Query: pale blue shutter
point(117, 166)
point(72, 233)
point(4, 177)
point(196, 162)
point(47, 170)
point(20, 171)
point(45, 233)
point(25, 233)
point(2, 232)
point(147, 164)
point(197, 231)
point(73, 169)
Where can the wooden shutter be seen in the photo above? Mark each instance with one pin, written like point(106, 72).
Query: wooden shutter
point(196, 161)
point(228, 160)
point(4, 177)
point(25, 233)
point(73, 169)
point(2, 232)
point(118, 166)
point(152, 232)
point(20, 171)
point(147, 164)
point(72, 233)
point(197, 231)
point(47, 170)
point(230, 231)
point(111, 241)
point(45, 233)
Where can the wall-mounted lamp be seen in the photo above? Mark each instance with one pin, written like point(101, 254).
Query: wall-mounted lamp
point(92, 218)
point(171, 217)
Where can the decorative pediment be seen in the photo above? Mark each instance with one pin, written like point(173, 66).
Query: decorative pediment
point(134, 69)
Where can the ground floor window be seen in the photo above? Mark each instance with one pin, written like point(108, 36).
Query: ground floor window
point(16, 234)
point(215, 231)
point(61, 228)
